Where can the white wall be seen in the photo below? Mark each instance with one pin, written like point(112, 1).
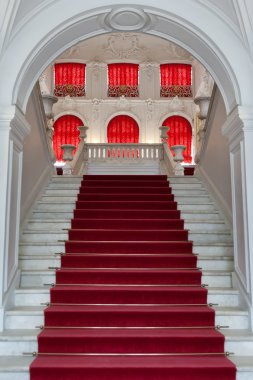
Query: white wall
point(37, 165)
point(214, 164)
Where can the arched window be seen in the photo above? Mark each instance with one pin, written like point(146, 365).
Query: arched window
point(66, 132)
point(176, 80)
point(123, 129)
point(123, 79)
point(69, 79)
point(180, 133)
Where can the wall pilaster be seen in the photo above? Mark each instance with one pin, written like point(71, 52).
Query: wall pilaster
point(239, 130)
point(13, 130)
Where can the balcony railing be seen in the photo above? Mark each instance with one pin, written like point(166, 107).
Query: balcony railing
point(123, 152)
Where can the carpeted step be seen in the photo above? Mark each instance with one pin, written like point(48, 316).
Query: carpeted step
point(131, 341)
point(128, 247)
point(124, 183)
point(134, 368)
point(133, 205)
point(120, 294)
point(128, 261)
point(124, 235)
point(124, 197)
point(126, 214)
point(129, 316)
point(127, 189)
point(128, 224)
point(128, 276)
point(129, 286)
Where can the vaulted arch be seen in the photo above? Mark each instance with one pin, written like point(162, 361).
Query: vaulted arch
point(180, 133)
point(122, 129)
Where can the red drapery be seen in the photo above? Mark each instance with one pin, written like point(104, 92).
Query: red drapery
point(123, 79)
point(176, 79)
point(66, 132)
point(180, 133)
point(123, 129)
point(69, 79)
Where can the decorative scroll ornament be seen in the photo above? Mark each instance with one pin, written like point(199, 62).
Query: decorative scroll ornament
point(176, 90)
point(115, 91)
point(123, 103)
point(95, 110)
point(69, 90)
point(150, 108)
point(124, 45)
point(176, 104)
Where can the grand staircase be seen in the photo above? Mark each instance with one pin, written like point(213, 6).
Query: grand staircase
point(43, 241)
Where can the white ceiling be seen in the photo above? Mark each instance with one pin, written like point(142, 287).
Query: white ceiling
point(123, 46)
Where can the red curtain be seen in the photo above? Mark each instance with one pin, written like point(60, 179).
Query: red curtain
point(123, 79)
point(176, 79)
point(69, 79)
point(180, 133)
point(66, 132)
point(123, 129)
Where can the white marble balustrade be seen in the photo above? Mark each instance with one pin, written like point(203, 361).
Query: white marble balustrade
point(123, 152)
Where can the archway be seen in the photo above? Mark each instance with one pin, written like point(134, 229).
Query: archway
point(180, 133)
point(123, 129)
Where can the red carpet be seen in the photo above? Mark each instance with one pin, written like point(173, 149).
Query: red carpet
point(128, 302)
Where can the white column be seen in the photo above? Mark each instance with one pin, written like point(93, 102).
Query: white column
point(239, 130)
point(13, 129)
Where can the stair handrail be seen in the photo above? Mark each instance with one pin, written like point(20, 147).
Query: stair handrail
point(167, 164)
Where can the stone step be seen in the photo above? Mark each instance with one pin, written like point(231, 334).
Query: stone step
point(206, 225)
point(42, 262)
point(16, 342)
point(32, 278)
point(54, 207)
point(59, 224)
point(54, 236)
point(31, 316)
point(59, 191)
point(41, 248)
point(66, 179)
point(187, 215)
point(184, 206)
point(68, 207)
point(17, 369)
point(41, 215)
point(186, 185)
point(210, 236)
point(200, 215)
point(58, 198)
point(49, 224)
point(212, 248)
point(27, 296)
point(189, 192)
point(56, 186)
point(200, 248)
point(183, 179)
point(193, 199)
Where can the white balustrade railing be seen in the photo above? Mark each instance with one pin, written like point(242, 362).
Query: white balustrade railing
point(123, 152)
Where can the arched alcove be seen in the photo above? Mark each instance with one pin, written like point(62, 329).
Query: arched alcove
point(180, 133)
point(122, 129)
point(66, 132)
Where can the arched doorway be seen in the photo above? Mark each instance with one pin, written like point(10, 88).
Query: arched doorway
point(123, 129)
point(180, 133)
point(66, 132)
